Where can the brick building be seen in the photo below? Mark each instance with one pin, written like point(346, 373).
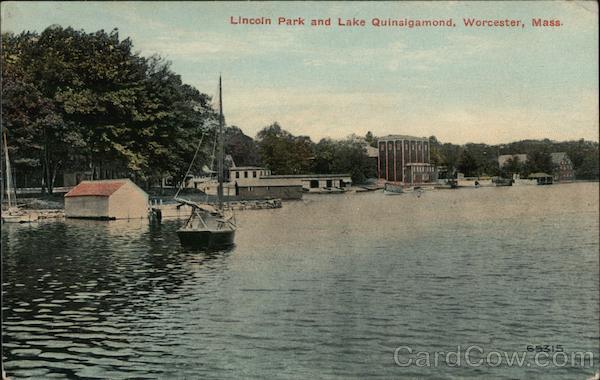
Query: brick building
point(404, 159)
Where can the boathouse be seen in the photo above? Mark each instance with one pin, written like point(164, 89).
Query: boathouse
point(317, 183)
point(542, 178)
point(106, 199)
point(255, 176)
point(266, 188)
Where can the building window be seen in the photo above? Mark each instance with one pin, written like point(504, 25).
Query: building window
point(329, 183)
point(314, 183)
point(254, 174)
point(237, 174)
point(245, 174)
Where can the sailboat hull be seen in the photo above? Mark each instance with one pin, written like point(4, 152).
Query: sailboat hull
point(22, 217)
point(206, 238)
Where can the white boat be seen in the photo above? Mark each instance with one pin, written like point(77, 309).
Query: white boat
point(13, 214)
point(395, 189)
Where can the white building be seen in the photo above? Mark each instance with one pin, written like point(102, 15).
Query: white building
point(107, 199)
point(242, 174)
point(252, 175)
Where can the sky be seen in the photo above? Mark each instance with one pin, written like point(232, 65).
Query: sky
point(490, 84)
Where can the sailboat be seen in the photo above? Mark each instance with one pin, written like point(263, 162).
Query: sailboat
point(13, 214)
point(209, 226)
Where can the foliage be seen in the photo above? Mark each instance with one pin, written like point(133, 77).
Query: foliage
point(345, 157)
point(242, 148)
point(512, 166)
point(370, 139)
point(468, 164)
point(283, 152)
point(538, 161)
point(86, 101)
point(77, 101)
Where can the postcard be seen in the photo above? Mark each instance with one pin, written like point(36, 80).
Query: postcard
point(294, 190)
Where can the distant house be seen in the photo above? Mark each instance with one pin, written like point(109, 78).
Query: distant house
point(503, 159)
point(106, 199)
point(564, 167)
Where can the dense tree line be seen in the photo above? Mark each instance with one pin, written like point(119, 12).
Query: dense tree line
point(482, 159)
point(85, 101)
point(73, 100)
point(284, 153)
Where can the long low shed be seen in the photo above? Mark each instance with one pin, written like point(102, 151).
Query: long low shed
point(316, 182)
point(270, 188)
point(106, 199)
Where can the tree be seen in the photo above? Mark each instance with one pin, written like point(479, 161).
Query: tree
point(588, 168)
point(435, 155)
point(242, 148)
point(539, 161)
point(284, 153)
point(468, 164)
point(370, 139)
point(345, 156)
point(86, 101)
point(512, 166)
point(451, 154)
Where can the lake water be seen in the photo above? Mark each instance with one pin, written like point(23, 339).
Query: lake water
point(327, 287)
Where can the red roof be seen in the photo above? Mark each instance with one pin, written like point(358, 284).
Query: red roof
point(96, 188)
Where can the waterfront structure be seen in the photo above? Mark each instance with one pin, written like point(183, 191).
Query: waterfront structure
point(242, 174)
point(266, 188)
point(106, 199)
point(564, 171)
point(542, 178)
point(318, 183)
point(404, 159)
point(256, 176)
point(563, 166)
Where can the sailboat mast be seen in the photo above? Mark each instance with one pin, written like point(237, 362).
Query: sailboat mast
point(220, 154)
point(8, 173)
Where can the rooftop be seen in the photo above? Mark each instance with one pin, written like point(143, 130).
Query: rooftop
point(248, 168)
point(104, 188)
point(273, 182)
point(307, 176)
point(402, 137)
point(539, 175)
